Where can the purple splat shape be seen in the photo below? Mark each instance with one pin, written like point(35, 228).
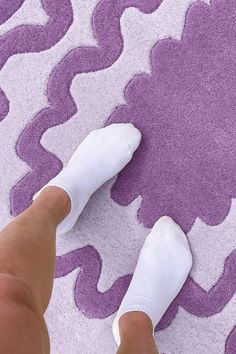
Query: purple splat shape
point(185, 109)
point(32, 38)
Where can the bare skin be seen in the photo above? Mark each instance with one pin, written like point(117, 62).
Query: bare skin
point(27, 263)
point(136, 334)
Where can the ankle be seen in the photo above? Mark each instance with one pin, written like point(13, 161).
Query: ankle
point(55, 202)
point(136, 325)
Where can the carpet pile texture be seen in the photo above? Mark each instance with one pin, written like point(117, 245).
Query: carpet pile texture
point(169, 67)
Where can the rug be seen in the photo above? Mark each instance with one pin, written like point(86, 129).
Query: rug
point(169, 67)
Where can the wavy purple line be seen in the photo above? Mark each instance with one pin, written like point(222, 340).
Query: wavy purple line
point(34, 38)
point(89, 300)
point(45, 165)
point(95, 304)
point(201, 303)
point(7, 9)
point(230, 345)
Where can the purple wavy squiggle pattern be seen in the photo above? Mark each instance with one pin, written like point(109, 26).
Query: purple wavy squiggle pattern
point(45, 165)
point(7, 9)
point(33, 38)
point(186, 111)
point(89, 300)
point(201, 303)
point(192, 298)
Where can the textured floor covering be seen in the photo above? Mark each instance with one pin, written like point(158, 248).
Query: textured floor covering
point(168, 66)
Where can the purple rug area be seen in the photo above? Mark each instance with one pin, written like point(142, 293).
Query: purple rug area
point(69, 66)
point(186, 110)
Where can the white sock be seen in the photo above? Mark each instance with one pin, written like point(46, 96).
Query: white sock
point(102, 154)
point(163, 266)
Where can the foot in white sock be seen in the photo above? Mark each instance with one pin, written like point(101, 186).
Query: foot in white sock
point(162, 269)
point(103, 154)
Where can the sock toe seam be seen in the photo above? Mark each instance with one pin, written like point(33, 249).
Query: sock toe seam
point(123, 141)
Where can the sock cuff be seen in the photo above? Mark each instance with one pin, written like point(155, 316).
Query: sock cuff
point(65, 188)
point(64, 225)
point(132, 308)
